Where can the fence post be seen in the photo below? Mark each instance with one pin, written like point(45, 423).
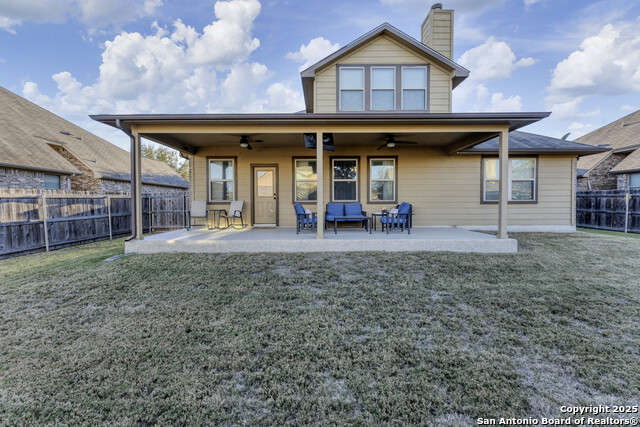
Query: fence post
point(627, 197)
point(150, 215)
point(184, 211)
point(44, 222)
point(109, 216)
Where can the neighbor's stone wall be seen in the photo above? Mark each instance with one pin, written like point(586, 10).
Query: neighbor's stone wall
point(84, 182)
point(112, 186)
point(623, 181)
point(600, 178)
point(22, 178)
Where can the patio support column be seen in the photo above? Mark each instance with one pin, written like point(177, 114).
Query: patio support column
point(320, 190)
point(503, 204)
point(136, 185)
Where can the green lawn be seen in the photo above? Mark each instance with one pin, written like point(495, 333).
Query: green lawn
point(423, 338)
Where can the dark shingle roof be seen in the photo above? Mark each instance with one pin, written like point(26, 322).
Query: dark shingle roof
point(26, 130)
point(531, 143)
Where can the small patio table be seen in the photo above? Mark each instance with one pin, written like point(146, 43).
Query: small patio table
point(376, 215)
point(365, 219)
point(219, 211)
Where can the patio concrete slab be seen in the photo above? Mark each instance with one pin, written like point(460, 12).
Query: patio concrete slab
point(285, 239)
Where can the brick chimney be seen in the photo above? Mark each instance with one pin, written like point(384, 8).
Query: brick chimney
point(437, 30)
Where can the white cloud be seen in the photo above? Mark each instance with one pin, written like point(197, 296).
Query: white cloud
point(93, 13)
point(628, 107)
point(578, 129)
point(491, 61)
point(313, 52)
point(607, 64)
point(175, 71)
point(530, 2)
point(8, 24)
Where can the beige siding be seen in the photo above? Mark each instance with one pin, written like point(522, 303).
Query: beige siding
point(383, 50)
point(442, 32)
point(444, 190)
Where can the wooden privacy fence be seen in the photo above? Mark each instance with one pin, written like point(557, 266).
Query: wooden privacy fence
point(616, 210)
point(53, 219)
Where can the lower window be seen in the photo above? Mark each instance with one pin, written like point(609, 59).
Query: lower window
point(634, 180)
point(306, 180)
point(382, 180)
point(522, 179)
point(221, 180)
point(344, 180)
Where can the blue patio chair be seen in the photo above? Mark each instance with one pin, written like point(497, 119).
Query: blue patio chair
point(403, 219)
point(303, 222)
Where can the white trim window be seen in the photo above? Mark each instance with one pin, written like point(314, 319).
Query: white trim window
point(351, 88)
point(414, 88)
point(522, 180)
point(221, 180)
point(344, 179)
point(383, 88)
point(306, 180)
point(382, 180)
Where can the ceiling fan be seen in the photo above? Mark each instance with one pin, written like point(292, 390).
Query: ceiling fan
point(391, 142)
point(245, 143)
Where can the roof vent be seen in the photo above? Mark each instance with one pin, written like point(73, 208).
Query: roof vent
point(437, 6)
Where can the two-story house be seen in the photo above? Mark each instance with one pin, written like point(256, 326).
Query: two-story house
point(382, 106)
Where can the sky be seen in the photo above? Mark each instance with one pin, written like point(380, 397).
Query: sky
point(578, 59)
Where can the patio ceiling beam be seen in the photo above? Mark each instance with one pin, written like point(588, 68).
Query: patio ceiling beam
point(468, 141)
point(151, 129)
point(172, 142)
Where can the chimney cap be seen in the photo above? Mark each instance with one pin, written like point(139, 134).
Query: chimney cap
point(436, 6)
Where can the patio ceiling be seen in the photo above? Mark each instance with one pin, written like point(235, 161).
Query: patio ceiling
point(450, 131)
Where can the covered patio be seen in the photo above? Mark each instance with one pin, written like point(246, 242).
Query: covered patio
point(284, 239)
point(438, 183)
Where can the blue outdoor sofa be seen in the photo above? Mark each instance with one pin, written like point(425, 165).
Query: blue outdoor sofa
point(353, 210)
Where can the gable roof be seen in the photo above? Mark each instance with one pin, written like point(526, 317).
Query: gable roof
point(22, 151)
point(617, 135)
point(630, 164)
point(531, 143)
point(308, 75)
point(27, 130)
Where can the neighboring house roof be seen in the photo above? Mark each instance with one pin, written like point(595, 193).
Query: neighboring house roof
point(28, 129)
point(529, 143)
point(308, 75)
point(21, 151)
point(617, 136)
point(630, 164)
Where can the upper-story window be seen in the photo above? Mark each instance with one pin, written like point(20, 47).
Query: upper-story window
point(352, 88)
point(383, 87)
point(414, 88)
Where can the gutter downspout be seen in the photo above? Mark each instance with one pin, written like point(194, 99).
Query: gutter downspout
point(134, 196)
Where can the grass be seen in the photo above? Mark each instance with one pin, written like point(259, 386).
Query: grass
point(610, 233)
point(423, 338)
